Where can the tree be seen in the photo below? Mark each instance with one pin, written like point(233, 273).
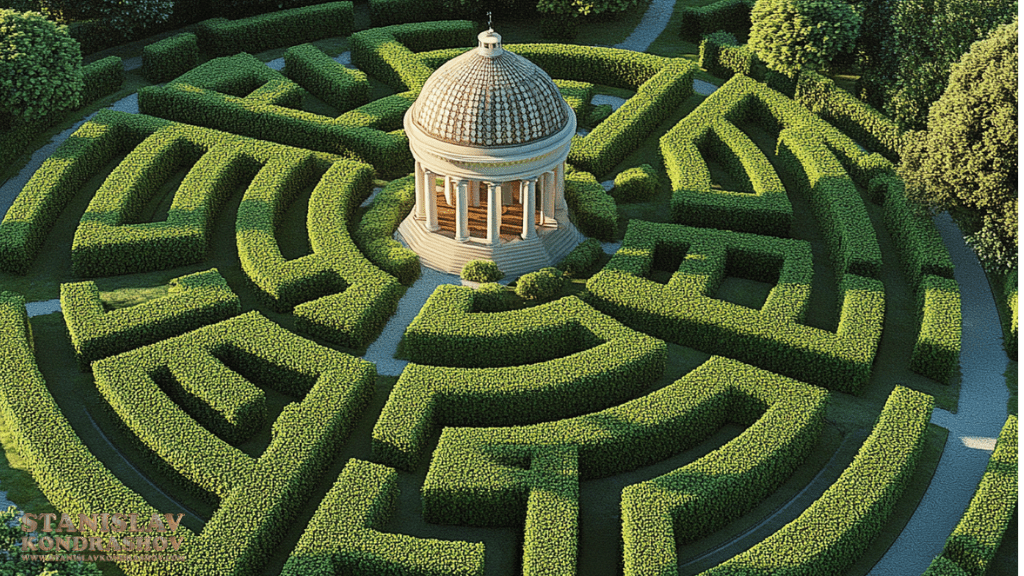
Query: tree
point(966, 161)
point(931, 35)
point(790, 34)
point(40, 67)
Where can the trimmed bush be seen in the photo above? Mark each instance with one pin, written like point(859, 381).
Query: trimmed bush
point(836, 529)
point(783, 417)
point(388, 12)
point(194, 300)
point(347, 533)
point(937, 349)
point(387, 53)
point(591, 208)
point(101, 78)
point(492, 297)
point(582, 260)
point(426, 398)
point(731, 15)
point(481, 271)
point(636, 184)
point(975, 540)
point(685, 312)
point(42, 68)
point(170, 57)
point(375, 233)
point(326, 79)
point(543, 284)
point(221, 37)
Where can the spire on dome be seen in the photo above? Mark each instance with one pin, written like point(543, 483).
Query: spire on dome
point(490, 43)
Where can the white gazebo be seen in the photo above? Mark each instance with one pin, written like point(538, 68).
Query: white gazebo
point(490, 133)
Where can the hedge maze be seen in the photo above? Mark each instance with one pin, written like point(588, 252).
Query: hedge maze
point(783, 295)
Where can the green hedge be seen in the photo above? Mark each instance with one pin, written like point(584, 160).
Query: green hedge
point(583, 258)
point(101, 78)
point(73, 480)
point(721, 56)
point(388, 12)
point(341, 87)
point(731, 15)
point(637, 184)
point(194, 300)
point(837, 205)
point(447, 332)
point(592, 209)
point(917, 240)
point(532, 488)
point(387, 53)
point(684, 310)
point(170, 57)
point(973, 544)
point(336, 293)
point(261, 497)
point(347, 534)
point(784, 417)
point(51, 188)
point(936, 352)
point(240, 95)
point(427, 398)
point(375, 233)
point(836, 529)
point(221, 37)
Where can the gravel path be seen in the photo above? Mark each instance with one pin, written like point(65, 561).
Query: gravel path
point(651, 26)
point(972, 430)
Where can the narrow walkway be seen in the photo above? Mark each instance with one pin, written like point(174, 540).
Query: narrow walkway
point(973, 429)
point(651, 26)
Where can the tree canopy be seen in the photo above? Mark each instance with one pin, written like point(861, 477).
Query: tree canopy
point(790, 34)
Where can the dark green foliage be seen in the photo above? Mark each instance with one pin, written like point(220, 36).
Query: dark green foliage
point(194, 300)
point(638, 184)
point(17, 561)
point(684, 310)
point(937, 350)
point(221, 37)
point(260, 498)
point(388, 12)
point(966, 162)
point(387, 53)
point(543, 284)
point(836, 529)
point(481, 271)
point(236, 8)
point(73, 480)
point(40, 68)
point(492, 297)
point(341, 87)
point(374, 236)
point(928, 37)
point(101, 78)
point(592, 209)
point(973, 543)
point(581, 261)
point(791, 34)
point(598, 114)
point(784, 418)
point(347, 534)
point(721, 55)
point(731, 15)
point(170, 57)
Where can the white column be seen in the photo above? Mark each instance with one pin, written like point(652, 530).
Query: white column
point(421, 206)
point(474, 186)
point(430, 197)
point(462, 211)
point(527, 191)
point(543, 193)
point(506, 193)
point(449, 184)
point(493, 213)
point(560, 186)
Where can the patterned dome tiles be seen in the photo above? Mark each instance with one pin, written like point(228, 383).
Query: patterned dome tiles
point(502, 100)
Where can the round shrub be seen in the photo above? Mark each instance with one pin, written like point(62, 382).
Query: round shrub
point(790, 34)
point(492, 297)
point(966, 162)
point(40, 67)
point(543, 284)
point(582, 259)
point(636, 184)
point(481, 271)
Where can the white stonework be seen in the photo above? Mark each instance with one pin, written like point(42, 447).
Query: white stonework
point(490, 133)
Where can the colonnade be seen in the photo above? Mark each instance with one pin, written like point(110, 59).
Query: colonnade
point(544, 190)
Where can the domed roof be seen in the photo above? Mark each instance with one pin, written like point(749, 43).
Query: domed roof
point(490, 97)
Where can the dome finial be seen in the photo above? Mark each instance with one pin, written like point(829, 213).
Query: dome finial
point(490, 41)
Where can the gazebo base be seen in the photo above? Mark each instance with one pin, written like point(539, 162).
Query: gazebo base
point(513, 255)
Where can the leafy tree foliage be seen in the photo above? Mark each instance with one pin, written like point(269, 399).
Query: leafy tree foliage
point(966, 161)
point(931, 35)
point(790, 34)
point(40, 67)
